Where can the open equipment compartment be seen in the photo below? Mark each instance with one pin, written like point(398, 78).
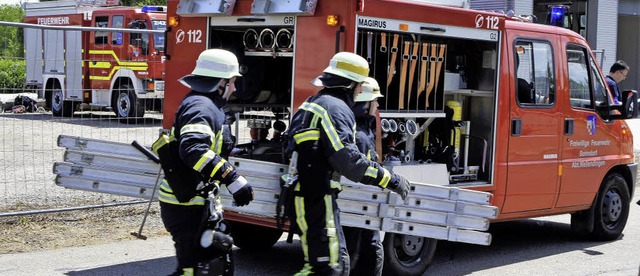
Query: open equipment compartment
point(439, 86)
point(259, 109)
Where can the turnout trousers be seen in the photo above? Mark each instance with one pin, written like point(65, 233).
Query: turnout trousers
point(365, 251)
point(183, 223)
point(321, 236)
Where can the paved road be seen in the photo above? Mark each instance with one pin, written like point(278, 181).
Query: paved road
point(530, 247)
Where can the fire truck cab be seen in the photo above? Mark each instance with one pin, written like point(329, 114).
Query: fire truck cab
point(472, 99)
point(122, 71)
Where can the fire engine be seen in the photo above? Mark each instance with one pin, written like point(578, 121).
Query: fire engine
point(491, 117)
point(120, 70)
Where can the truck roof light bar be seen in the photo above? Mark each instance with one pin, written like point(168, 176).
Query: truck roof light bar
point(154, 9)
point(299, 7)
point(205, 7)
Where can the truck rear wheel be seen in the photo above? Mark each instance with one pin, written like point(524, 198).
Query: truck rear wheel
point(60, 107)
point(407, 255)
point(611, 208)
point(253, 237)
point(127, 104)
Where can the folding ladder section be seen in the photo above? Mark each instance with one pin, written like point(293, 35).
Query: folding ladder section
point(431, 211)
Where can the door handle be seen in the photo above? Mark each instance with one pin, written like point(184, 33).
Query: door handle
point(568, 126)
point(516, 127)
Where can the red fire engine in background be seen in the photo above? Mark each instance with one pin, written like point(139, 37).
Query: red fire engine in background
point(120, 70)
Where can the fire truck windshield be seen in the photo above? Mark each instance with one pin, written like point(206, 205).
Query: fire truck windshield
point(158, 39)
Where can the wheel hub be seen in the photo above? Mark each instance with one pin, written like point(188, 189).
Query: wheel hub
point(411, 245)
point(124, 104)
point(612, 207)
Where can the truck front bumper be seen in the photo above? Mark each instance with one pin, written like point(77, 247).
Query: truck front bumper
point(633, 168)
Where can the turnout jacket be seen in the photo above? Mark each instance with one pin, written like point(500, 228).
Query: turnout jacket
point(365, 131)
point(198, 132)
point(330, 112)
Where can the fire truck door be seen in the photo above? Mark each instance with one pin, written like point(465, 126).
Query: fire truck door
point(100, 55)
point(532, 162)
point(588, 146)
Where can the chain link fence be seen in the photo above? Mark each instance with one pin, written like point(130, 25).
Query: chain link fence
point(29, 131)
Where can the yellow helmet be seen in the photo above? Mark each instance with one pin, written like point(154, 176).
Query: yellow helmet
point(348, 65)
point(370, 91)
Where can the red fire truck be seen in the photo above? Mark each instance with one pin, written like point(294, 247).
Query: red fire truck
point(120, 70)
point(472, 99)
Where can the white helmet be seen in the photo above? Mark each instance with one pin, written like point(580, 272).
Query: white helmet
point(212, 63)
point(370, 91)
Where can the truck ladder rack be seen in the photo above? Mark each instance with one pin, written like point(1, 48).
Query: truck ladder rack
point(431, 211)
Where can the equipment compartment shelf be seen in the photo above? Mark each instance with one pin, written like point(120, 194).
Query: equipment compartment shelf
point(268, 54)
point(407, 115)
point(471, 93)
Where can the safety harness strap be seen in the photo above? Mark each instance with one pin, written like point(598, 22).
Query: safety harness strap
point(439, 62)
point(432, 71)
point(369, 45)
point(403, 72)
point(414, 61)
point(392, 64)
point(424, 60)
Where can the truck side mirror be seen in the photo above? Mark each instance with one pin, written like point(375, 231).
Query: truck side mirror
point(629, 107)
point(630, 103)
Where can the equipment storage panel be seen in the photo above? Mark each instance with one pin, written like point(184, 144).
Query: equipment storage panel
point(439, 87)
point(261, 104)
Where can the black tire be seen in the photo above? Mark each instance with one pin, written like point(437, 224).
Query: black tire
point(126, 103)
point(611, 208)
point(253, 237)
point(407, 255)
point(60, 107)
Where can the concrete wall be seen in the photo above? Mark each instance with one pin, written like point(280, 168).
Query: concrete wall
point(603, 14)
point(628, 26)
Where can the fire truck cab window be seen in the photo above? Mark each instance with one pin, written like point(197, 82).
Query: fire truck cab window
point(158, 39)
point(138, 40)
point(580, 95)
point(600, 92)
point(102, 37)
point(535, 76)
point(117, 21)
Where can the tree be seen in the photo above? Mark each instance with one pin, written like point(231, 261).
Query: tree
point(11, 37)
point(139, 3)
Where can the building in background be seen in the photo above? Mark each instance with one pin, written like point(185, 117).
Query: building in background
point(629, 41)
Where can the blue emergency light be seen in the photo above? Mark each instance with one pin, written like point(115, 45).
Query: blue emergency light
point(152, 8)
point(558, 16)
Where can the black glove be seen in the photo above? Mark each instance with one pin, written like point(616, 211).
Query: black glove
point(399, 185)
point(241, 191)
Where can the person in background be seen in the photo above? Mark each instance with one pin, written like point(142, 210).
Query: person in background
point(365, 246)
point(193, 161)
point(321, 143)
point(618, 72)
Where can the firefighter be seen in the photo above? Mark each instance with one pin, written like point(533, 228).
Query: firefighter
point(193, 162)
point(322, 145)
point(365, 246)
